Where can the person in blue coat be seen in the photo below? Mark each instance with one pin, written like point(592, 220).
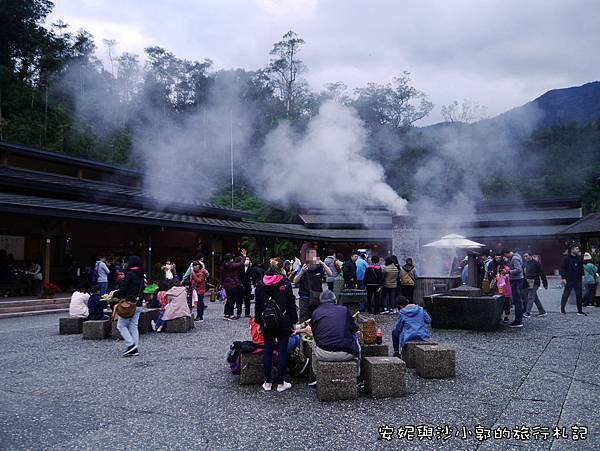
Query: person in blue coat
point(410, 326)
point(361, 268)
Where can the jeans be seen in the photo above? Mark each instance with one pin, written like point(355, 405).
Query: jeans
point(233, 299)
point(200, 307)
point(373, 299)
point(589, 294)
point(160, 322)
point(567, 291)
point(532, 297)
point(408, 292)
point(128, 327)
point(103, 288)
point(389, 298)
point(515, 286)
point(270, 344)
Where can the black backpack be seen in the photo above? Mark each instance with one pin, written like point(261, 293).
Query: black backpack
point(272, 316)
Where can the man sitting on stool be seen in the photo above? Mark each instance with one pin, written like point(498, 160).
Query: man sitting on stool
point(334, 330)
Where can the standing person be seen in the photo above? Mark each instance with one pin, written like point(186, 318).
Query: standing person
point(361, 269)
point(248, 278)
point(349, 270)
point(408, 279)
point(230, 278)
point(374, 281)
point(188, 272)
point(35, 271)
point(534, 277)
point(571, 273)
point(169, 269)
point(103, 272)
point(330, 262)
point(131, 289)
point(390, 286)
point(590, 272)
point(276, 321)
point(515, 264)
point(310, 282)
point(198, 280)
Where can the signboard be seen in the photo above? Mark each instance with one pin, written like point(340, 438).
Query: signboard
point(13, 245)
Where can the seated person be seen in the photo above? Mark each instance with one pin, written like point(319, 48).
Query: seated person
point(410, 325)
point(161, 302)
point(177, 304)
point(96, 305)
point(334, 332)
point(78, 307)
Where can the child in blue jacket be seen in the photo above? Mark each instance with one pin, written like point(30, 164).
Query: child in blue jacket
point(411, 325)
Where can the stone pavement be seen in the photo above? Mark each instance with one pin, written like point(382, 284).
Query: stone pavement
point(60, 392)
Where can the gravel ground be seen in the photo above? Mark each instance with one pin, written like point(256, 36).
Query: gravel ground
point(59, 392)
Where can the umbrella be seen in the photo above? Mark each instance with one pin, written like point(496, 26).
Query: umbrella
point(454, 241)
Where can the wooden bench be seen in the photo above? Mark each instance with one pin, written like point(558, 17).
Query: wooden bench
point(70, 326)
point(435, 362)
point(336, 381)
point(385, 377)
point(96, 330)
point(408, 353)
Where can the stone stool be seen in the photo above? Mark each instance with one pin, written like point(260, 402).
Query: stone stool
point(372, 351)
point(145, 321)
point(435, 362)
point(385, 377)
point(96, 330)
point(251, 369)
point(307, 351)
point(337, 380)
point(408, 353)
point(70, 326)
point(179, 325)
point(114, 332)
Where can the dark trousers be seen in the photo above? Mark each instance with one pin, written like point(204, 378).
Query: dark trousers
point(200, 306)
point(373, 299)
point(282, 357)
point(330, 286)
point(506, 306)
point(516, 286)
point(589, 294)
point(305, 309)
point(233, 299)
point(247, 296)
point(408, 292)
point(578, 296)
point(389, 298)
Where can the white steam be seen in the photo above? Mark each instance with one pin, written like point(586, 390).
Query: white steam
point(324, 166)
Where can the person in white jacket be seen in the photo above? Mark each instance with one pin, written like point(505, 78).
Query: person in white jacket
point(78, 308)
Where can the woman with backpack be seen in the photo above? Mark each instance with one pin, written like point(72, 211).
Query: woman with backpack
point(275, 312)
point(408, 279)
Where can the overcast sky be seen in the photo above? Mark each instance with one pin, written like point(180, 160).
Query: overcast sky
point(500, 53)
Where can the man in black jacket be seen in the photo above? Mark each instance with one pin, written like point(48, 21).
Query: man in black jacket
point(374, 282)
point(349, 271)
point(334, 330)
point(571, 273)
point(534, 277)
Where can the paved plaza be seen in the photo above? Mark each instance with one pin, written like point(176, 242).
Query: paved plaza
point(60, 392)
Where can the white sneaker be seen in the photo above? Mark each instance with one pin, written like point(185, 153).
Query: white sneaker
point(153, 325)
point(267, 387)
point(284, 386)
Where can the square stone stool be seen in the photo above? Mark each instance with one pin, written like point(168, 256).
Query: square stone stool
point(70, 326)
point(408, 353)
point(96, 330)
point(179, 325)
point(146, 317)
point(385, 377)
point(435, 362)
point(372, 351)
point(251, 369)
point(336, 381)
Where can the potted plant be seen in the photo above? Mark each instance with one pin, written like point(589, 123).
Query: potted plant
point(49, 289)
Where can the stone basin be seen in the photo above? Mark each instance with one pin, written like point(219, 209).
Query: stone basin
point(448, 311)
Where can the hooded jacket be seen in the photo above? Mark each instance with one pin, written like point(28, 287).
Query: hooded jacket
point(230, 276)
point(533, 270)
point(349, 271)
point(390, 276)
point(361, 268)
point(374, 275)
point(411, 324)
point(330, 263)
point(280, 288)
point(333, 328)
point(178, 303)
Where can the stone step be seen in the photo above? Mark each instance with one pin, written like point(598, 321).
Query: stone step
point(34, 308)
point(33, 313)
point(27, 302)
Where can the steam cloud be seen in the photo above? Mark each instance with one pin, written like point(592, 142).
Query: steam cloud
point(324, 166)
